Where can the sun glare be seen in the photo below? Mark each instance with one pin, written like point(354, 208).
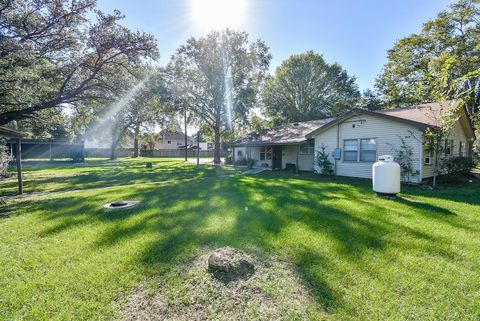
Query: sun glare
point(218, 14)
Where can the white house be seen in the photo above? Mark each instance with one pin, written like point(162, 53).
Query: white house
point(172, 140)
point(357, 138)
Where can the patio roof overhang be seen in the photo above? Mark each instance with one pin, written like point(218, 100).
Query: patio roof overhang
point(9, 133)
point(266, 143)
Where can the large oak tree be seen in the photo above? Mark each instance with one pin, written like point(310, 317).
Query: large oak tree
point(218, 77)
point(306, 87)
point(51, 56)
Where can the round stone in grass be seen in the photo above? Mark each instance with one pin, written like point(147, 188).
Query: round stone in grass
point(229, 263)
point(120, 204)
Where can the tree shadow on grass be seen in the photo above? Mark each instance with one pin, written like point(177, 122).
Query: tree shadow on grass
point(425, 207)
point(245, 211)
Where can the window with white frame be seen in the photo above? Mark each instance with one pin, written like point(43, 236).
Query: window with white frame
point(428, 158)
point(308, 147)
point(266, 153)
point(368, 150)
point(350, 150)
point(239, 153)
point(448, 147)
point(461, 149)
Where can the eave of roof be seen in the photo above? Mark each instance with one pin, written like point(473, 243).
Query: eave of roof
point(9, 133)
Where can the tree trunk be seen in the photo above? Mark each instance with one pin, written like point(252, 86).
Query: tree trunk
point(135, 141)
point(113, 150)
point(113, 146)
point(216, 157)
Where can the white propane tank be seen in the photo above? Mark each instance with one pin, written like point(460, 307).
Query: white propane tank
point(386, 176)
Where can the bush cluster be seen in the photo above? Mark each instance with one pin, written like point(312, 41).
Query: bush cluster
point(458, 165)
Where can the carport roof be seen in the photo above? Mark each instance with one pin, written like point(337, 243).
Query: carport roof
point(9, 133)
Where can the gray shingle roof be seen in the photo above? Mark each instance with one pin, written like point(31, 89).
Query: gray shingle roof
point(428, 114)
point(292, 133)
point(423, 116)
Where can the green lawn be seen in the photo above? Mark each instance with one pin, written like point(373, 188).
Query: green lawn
point(63, 257)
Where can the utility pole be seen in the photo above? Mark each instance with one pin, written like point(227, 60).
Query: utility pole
point(198, 148)
point(185, 125)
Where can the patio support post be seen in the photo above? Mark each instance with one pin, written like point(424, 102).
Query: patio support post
point(233, 155)
point(18, 158)
point(296, 165)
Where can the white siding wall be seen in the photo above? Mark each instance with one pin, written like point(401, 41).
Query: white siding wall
point(289, 155)
point(255, 154)
point(457, 134)
point(386, 133)
point(174, 144)
point(305, 161)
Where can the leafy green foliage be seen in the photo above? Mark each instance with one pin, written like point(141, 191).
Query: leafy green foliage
point(441, 62)
point(306, 87)
point(323, 161)
point(458, 165)
point(218, 78)
point(404, 157)
point(52, 56)
point(371, 100)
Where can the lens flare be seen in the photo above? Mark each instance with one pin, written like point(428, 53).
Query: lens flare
point(218, 14)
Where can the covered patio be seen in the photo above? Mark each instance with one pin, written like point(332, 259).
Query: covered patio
point(284, 147)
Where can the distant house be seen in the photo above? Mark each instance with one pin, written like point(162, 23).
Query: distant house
point(172, 140)
point(176, 140)
point(356, 138)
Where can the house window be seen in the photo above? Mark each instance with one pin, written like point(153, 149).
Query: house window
point(428, 158)
point(209, 145)
point(239, 153)
point(308, 147)
point(266, 152)
point(461, 149)
point(448, 147)
point(179, 144)
point(368, 150)
point(169, 142)
point(350, 147)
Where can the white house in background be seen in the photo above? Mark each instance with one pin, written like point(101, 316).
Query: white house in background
point(206, 145)
point(172, 140)
point(357, 138)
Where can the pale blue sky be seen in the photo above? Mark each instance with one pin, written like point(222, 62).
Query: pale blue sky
point(355, 34)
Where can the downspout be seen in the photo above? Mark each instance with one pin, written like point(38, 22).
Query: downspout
point(421, 160)
point(338, 146)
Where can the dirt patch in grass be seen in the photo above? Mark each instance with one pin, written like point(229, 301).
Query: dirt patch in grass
point(273, 292)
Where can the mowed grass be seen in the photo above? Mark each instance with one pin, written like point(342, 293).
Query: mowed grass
point(46, 176)
point(64, 257)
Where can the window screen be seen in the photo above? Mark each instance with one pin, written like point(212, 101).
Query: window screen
point(368, 150)
point(350, 150)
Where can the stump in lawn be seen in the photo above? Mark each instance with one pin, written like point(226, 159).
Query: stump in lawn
point(229, 264)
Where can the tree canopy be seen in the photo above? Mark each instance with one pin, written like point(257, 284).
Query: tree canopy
point(219, 77)
point(443, 60)
point(306, 87)
point(51, 56)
